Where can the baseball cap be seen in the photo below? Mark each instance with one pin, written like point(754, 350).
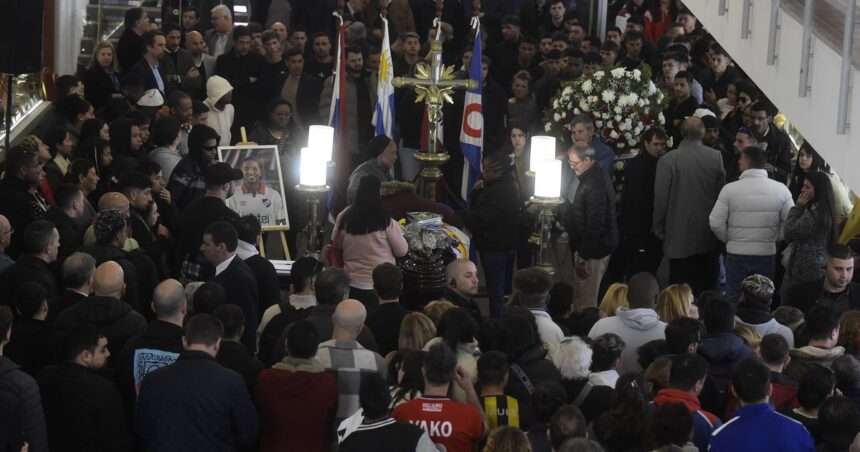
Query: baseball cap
point(220, 173)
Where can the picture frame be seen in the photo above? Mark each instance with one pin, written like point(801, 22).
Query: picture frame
point(262, 190)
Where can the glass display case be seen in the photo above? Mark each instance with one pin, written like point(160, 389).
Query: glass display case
point(28, 97)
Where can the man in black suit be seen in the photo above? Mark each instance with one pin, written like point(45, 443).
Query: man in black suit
point(220, 241)
point(77, 276)
point(130, 47)
point(149, 69)
point(249, 230)
point(177, 62)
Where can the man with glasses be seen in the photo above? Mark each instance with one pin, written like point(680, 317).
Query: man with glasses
point(590, 222)
point(6, 231)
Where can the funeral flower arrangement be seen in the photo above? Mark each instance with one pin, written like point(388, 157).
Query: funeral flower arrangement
point(623, 104)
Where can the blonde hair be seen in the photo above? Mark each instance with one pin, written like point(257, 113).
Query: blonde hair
point(749, 335)
point(103, 45)
point(507, 439)
point(616, 297)
point(674, 301)
point(416, 329)
point(436, 308)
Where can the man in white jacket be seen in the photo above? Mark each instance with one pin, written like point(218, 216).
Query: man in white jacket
point(748, 216)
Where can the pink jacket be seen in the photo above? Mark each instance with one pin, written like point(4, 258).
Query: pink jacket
point(362, 253)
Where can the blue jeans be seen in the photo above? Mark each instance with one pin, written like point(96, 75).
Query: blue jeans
point(498, 271)
point(739, 267)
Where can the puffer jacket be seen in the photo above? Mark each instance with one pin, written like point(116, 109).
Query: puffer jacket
point(591, 221)
point(21, 415)
point(749, 214)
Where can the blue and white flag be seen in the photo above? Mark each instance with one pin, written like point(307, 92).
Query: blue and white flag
point(472, 130)
point(383, 116)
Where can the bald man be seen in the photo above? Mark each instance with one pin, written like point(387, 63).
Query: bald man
point(204, 62)
point(116, 201)
point(346, 358)
point(5, 240)
point(688, 183)
point(461, 280)
point(158, 345)
point(105, 308)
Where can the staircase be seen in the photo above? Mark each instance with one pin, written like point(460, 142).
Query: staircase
point(803, 73)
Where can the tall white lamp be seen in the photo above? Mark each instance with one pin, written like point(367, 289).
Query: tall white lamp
point(312, 181)
point(547, 195)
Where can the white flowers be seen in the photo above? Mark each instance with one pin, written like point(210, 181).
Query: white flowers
point(608, 96)
point(622, 103)
point(587, 87)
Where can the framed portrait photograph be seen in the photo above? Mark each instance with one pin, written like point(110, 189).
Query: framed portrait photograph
point(262, 190)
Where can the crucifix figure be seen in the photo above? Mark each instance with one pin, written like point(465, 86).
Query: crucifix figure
point(433, 84)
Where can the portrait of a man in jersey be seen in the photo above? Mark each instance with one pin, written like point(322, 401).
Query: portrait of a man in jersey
point(261, 192)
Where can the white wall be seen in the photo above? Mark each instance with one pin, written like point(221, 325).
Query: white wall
point(815, 115)
point(70, 16)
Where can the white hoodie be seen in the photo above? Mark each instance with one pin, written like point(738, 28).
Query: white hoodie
point(636, 327)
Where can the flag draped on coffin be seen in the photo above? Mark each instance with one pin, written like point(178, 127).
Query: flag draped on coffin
point(472, 130)
point(337, 120)
point(383, 116)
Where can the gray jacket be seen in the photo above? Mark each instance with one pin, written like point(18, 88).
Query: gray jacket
point(689, 180)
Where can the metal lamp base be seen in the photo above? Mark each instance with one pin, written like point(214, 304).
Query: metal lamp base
point(545, 219)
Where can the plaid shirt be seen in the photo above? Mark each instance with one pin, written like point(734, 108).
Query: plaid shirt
point(349, 362)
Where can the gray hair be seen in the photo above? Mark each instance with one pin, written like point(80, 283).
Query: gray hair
point(573, 358)
point(356, 32)
point(583, 119)
point(77, 270)
point(693, 129)
point(582, 153)
point(168, 298)
point(222, 9)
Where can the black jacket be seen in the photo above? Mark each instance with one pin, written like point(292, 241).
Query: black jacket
point(778, 153)
point(591, 221)
point(144, 70)
point(537, 369)
point(129, 50)
point(27, 268)
point(71, 237)
point(806, 295)
point(210, 408)
point(21, 416)
point(271, 343)
point(83, 410)
point(65, 299)
point(247, 96)
point(637, 206)
point(154, 246)
point(98, 87)
point(114, 318)
point(158, 345)
point(463, 302)
point(34, 345)
point(267, 281)
point(494, 215)
point(19, 207)
point(240, 287)
point(235, 356)
point(139, 272)
point(597, 402)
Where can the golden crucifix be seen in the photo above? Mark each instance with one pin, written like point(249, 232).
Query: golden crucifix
point(434, 84)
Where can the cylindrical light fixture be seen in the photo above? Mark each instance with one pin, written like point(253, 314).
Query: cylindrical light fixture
point(543, 148)
point(548, 179)
point(321, 140)
point(312, 168)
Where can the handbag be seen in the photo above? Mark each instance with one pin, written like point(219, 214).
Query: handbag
point(333, 255)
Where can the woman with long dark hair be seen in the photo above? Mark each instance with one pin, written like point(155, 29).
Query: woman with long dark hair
point(808, 160)
point(367, 237)
point(277, 127)
point(409, 384)
point(459, 331)
point(810, 228)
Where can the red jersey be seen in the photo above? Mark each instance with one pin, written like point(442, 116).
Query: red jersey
point(456, 426)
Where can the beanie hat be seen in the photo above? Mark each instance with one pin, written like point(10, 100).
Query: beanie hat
point(107, 223)
point(377, 146)
point(216, 88)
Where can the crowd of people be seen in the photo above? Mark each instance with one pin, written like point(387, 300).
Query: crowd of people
point(137, 312)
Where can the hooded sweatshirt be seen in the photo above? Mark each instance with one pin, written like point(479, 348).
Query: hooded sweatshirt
point(220, 120)
point(804, 358)
point(20, 409)
point(636, 327)
point(297, 401)
point(704, 422)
